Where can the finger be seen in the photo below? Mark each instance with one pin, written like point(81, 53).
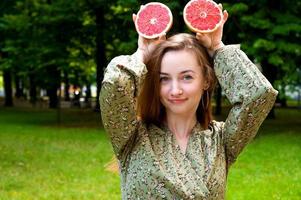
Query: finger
point(202, 37)
point(226, 15)
point(134, 17)
point(159, 39)
point(162, 37)
point(199, 35)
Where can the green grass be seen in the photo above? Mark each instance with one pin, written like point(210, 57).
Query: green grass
point(40, 159)
point(270, 167)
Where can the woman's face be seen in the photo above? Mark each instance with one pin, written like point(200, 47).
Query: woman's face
point(181, 83)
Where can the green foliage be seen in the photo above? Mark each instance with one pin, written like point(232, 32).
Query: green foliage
point(37, 35)
point(42, 35)
point(236, 9)
point(264, 44)
point(270, 33)
point(275, 60)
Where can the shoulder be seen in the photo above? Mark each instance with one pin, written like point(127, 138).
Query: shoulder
point(215, 130)
point(156, 131)
point(157, 135)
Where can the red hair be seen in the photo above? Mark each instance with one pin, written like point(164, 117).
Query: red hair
point(150, 108)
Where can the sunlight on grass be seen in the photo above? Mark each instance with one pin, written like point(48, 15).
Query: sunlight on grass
point(42, 160)
point(270, 167)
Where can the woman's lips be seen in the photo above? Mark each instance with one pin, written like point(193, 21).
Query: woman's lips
point(176, 101)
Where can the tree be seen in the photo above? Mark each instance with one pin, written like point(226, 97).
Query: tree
point(269, 32)
point(40, 34)
point(6, 7)
point(45, 42)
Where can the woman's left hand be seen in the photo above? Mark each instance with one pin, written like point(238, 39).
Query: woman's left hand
point(213, 41)
point(146, 46)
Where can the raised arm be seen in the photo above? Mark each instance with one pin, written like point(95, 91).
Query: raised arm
point(120, 87)
point(250, 94)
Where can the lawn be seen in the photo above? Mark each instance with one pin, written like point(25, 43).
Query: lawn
point(40, 159)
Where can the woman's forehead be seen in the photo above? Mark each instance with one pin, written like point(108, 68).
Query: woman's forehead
point(178, 61)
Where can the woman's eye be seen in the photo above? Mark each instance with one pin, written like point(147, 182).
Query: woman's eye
point(187, 77)
point(164, 79)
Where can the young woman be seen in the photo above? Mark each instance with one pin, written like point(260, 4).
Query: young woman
point(156, 108)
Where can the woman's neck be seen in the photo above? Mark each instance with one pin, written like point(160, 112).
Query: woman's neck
point(181, 126)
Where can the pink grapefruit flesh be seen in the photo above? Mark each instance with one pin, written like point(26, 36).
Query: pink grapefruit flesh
point(202, 16)
point(153, 19)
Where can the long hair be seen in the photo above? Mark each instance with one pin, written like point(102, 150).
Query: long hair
point(149, 107)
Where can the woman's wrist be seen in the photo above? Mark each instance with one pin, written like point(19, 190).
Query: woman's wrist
point(140, 54)
point(211, 51)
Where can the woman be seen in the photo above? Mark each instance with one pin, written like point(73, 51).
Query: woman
point(156, 108)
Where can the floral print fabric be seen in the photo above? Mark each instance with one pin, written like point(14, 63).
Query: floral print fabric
point(152, 164)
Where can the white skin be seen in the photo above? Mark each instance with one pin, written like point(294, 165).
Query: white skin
point(181, 87)
point(180, 96)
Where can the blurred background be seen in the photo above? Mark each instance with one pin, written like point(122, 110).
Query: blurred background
point(52, 59)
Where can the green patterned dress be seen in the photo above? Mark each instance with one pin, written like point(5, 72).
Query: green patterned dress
point(152, 164)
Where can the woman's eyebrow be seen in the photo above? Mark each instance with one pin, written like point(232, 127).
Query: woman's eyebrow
point(186, 71)
point(182, 72)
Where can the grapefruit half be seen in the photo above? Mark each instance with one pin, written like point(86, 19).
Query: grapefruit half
point(153, 19)
point(202, 16)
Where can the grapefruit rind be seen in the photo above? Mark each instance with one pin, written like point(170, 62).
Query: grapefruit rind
point(159, 27)
point(193, 27)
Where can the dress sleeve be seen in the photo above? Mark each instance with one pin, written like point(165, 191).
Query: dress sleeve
point(121, 84)
point(250, 94)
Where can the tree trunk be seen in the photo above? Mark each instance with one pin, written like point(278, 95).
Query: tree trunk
point(88, 96)
point(218, 101)
point(270, 73)
point(19, 86)
point(8, 88)
point(282, 99)
point(101, 60)
point(67, 86)
point(53, 98)
point(32, 89)
point(54, 85)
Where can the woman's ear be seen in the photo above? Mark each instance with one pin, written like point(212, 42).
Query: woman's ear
point(206, 85)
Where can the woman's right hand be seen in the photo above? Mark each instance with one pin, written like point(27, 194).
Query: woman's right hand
point(213, 40)
point(146, 46)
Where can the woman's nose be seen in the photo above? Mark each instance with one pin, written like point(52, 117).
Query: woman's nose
point(176, 89)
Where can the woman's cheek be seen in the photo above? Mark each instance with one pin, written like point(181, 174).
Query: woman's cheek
point(163, 91)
